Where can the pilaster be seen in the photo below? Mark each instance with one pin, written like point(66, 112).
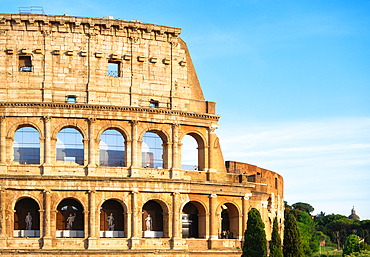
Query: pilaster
point(135, 239)
point(176, 241)
point(3, 169)
point(2, 219)
point(134, 169)
point(47, 166)
point(91, 167)
point(47, 240)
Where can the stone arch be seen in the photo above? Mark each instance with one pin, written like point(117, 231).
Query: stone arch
point(27, 217)
point(126, 135)
point(11, 205)
point(159, 213)
point(164, 135)
point(114, 160)
point(74, 154)
point(66, 209)
point(22, 153)
point(19, 125)
point(229, 214)
point(75, 126)
point(193, 219)
point(57, 202)
point(146, 158)
point(202, 145)
point(118, 210)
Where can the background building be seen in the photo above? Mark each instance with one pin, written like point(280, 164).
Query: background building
point(93, 116)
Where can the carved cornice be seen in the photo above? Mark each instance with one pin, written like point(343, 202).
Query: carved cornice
point(109, 109)
point(48, 23)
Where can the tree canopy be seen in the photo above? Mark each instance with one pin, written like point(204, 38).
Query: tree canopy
point(292, 239)
point(275, 244)
point(255, 243)
point(303, 207)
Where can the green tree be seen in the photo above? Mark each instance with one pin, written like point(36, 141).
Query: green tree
point(275, 244)
point(292, 239)
point(303, 207)
point(352, 245)
point(341, 228)
point(255, 243)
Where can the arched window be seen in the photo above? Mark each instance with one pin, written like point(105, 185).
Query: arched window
point(111, 219)
point(112, 149)
point(189, 153)
point(229, 222)
point(26, 146)
point(26, 218)
point(152, 219)
point(152, 151)
point(70, 219)
point(194, 220)
point(70, 146)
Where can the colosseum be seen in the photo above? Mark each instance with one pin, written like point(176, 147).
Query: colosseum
point(94, 113)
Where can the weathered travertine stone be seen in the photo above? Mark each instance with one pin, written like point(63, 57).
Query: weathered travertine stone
point(54, 74)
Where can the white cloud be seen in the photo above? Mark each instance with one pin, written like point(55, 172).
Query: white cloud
point(321, 161)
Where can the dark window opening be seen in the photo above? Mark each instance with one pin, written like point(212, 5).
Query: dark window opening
point(25, 64)
point(154, 104)
point(113, 69)
point(276, 183)
point(71, 99)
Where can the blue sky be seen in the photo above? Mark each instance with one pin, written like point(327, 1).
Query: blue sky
point(291, 81)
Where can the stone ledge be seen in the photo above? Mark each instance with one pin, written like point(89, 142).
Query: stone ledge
point(128, 109)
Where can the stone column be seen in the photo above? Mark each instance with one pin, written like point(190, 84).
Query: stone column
point(135, 237)
point(176, 222)
point(213, 233)
point(2, 218)
point(176, 163)
point(47, 244)
point(47, 166)
point(134, 170)
point(3, 145)
point(92, 220)
point(86, 151)
point(211, 152)
point(91, 152)
point(86, 223)
point(245, 206)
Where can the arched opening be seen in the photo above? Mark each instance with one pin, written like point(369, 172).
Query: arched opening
point(26, 146)
point(26, 218)
point(152, 151)
point(192, 152)
point(70, 219)
point(229, 222)
point(152, 220)
point(111, 219)
point(190, 221)
point(189, 153)
point(70, 146)
point(112, 149)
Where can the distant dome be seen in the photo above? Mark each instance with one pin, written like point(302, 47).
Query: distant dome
point(353, 215)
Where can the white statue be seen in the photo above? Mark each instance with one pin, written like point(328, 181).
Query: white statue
point(28, 221)
point(70, 221)
point(148, 222)
point(110, 222)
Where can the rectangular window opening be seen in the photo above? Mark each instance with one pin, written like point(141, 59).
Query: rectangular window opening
point(154, 104)
point(276, 183)
point(25, 64)
point(71, 99)
point(113, 68)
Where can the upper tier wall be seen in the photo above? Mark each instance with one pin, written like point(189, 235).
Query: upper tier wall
point(67, 57)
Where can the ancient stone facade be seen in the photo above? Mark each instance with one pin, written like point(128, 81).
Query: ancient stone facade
point(55, 75)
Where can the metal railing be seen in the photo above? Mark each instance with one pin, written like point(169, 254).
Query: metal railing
point(31, 10)
point(112, 73)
